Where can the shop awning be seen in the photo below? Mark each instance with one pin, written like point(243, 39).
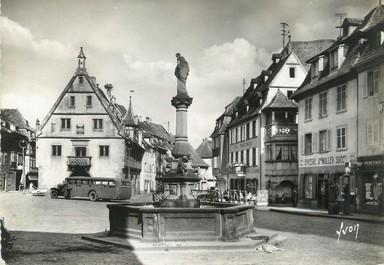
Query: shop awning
point(33, 177)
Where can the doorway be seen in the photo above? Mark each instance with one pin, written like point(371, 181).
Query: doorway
point(323, 193)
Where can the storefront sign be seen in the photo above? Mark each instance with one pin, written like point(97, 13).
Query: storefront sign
point(372, 161)
point(242, 145)
point(328, 160)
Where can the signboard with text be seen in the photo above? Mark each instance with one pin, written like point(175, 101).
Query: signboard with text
point(324, 160)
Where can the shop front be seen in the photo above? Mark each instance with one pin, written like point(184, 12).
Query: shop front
point(327, 182)
point(370, 179)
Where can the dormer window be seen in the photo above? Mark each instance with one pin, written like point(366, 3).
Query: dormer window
point(333, 60)
point(380, 38)
point(321, 63)
point(315, 69)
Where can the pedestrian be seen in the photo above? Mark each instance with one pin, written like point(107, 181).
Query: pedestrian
point(381, 204)
point(295, 197)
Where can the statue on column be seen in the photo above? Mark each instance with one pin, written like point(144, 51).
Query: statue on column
point(181, 73)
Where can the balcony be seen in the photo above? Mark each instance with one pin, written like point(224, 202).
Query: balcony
point(281, 131)
point(33, 170)
point(238, 169)
point(84, 161)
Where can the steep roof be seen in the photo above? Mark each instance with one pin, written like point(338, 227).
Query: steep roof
point(372, 19)
point(358, 54)
point(14, 116)
point(204, 150)
point(280, 101)
point(156, 130)
point(307, 49)
point(110, 106)
point(229, 109)
point(129, 118)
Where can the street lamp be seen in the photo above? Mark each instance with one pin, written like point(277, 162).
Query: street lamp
point(129, 145)
point(23, 144)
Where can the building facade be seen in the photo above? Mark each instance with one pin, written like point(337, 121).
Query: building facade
point(18, 152)
point(158, 146)
point(263, 130)
point(339, 120)
point(204, 150)
point(369, 165)
point(220, 162)
point(84, 134)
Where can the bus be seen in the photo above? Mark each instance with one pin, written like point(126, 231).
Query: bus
point(94, 188)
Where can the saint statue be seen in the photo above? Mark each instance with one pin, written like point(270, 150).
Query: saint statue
point(181, 73)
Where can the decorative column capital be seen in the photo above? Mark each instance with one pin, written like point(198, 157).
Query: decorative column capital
point(181, 100)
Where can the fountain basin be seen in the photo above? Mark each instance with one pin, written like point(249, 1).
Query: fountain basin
point(224, 222)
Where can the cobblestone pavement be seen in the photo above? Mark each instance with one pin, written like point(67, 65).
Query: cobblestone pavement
point(48, 232)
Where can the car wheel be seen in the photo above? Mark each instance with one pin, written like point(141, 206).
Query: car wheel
point(92, 196)
point(54, 194)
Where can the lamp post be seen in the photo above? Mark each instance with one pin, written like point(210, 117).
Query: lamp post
point(23, 144)
point(129, 145)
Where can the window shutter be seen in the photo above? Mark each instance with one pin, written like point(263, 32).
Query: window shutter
point(257, 127)
point(315, 142)
point(302, 144)
point(365, 85)
point(329, 139)
point(257, 156)
point(376, 132)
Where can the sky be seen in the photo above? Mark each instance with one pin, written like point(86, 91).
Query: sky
point(132, 45)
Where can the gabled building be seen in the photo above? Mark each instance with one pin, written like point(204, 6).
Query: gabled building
point(341, 119)
point(86, 133)
point(220, 147)
point(18, 151)
point(204, 150)
point(158, 145)
point(263, 130)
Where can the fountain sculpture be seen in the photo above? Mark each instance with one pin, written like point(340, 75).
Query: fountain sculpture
point(176, 214)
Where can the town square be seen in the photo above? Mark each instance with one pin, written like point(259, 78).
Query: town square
point(185, 132)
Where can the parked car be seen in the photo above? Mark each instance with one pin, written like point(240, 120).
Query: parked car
point(39, 192)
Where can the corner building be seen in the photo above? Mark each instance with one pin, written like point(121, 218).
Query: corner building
point(340, 120)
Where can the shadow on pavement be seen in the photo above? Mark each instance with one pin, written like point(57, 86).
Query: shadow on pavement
point(371, 233)
point(62, 248)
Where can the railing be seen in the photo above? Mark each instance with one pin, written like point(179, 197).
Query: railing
point(281, 130)
point(237, 169)
point(79, 160)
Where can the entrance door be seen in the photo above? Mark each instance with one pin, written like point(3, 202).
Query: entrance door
point(323, 199)
point(81, 151)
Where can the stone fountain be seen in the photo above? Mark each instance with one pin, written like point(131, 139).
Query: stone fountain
point(176, 214)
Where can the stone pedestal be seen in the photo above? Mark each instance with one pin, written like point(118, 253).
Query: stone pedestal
point(178, 182)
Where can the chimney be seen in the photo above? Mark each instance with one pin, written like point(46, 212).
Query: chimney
point(37, 125)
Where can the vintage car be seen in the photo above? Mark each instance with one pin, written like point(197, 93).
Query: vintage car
point(39, 192)
point(60, 190)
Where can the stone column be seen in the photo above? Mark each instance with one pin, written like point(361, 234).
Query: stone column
point(181, 103)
